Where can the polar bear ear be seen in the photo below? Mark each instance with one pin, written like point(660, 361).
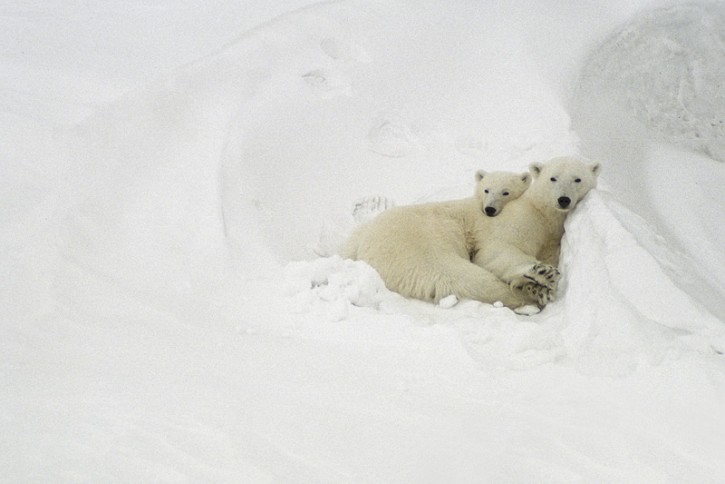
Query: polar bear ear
point(479, 175)
point(535, 169)
point(526, 178)
point(596, 169)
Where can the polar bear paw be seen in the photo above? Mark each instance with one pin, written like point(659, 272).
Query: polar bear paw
point(534, 293)
point(542, 274)
point(541, 294)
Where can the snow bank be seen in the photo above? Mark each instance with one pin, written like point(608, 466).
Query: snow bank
point(621, 307)
point(665, 68)
point(164, 312)
point(650, 87)
point(335, 284)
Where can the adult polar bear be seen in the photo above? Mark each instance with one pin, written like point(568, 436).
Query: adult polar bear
point(435, 250)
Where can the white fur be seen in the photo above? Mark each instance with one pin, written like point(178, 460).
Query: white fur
point(496, 189)
point(435, 250)
point(424, 251)
point(529, 231)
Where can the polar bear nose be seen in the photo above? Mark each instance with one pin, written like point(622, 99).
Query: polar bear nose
point(564, 201)
point(490, 211)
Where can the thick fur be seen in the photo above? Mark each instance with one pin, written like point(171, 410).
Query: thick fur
point(424, 251)
point(495, 190)
point(435, 250)
point(526, 238)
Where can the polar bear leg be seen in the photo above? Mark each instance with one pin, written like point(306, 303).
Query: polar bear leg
point(468, 281)
point(516, 267)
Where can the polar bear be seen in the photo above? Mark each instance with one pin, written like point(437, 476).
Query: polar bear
point(435, 250)
point(424, 251)
point(494, 190)
point(521, 248)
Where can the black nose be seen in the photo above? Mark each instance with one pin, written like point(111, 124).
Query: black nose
point(490, 211)
point(564, 201)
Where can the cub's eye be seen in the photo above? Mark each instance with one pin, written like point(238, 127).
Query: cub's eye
point(553, 178)
point(505, 194)
point(578, 180)
point(486, 190)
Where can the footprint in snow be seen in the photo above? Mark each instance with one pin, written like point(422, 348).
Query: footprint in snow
point(391, 136)
point(367, 208)
point(471, 146)
point(327, 84)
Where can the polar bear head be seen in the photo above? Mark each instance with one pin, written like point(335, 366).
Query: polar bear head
point(561, 183)
point(496, 189)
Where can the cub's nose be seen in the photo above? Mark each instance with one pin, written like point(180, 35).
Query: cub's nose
point(490, 211)
point(564, 202)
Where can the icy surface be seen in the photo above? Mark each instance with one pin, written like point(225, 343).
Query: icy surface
point(178, 176)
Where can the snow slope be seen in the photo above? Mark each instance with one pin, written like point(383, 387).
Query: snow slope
point(173, 170)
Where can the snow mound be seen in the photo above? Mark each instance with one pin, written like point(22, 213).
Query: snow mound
point(333, 284)
point(666, 68)
point(154, 328)
point(621, 304)
point(619, 307)
point(333, 289)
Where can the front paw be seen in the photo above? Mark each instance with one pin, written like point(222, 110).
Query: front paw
point(536, 293)
point(543, 274)
point(543, 295)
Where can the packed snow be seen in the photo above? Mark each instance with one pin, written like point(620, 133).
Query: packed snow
point(178, 177)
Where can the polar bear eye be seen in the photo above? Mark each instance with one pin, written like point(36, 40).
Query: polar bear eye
point(486, 190)
point(578, 180)
point(553, 178)
point(505, 194)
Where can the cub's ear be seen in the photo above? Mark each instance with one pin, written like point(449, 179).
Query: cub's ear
point(526, 178)
point(479, 175)
point(535, 169)
point(596, 169)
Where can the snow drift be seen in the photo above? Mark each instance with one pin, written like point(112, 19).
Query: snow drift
point(165, 312)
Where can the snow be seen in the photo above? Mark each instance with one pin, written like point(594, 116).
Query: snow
point(178, 175)
point(666, 70)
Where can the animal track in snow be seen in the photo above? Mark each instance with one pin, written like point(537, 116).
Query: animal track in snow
point(368, 208)
point(327, 84)
point(391, 136)
point(471, 146)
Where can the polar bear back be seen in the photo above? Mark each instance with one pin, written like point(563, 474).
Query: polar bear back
point(422, 251)
point(409, 230)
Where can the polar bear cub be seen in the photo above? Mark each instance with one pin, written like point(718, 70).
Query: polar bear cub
point(497, 188)
point(424, 251)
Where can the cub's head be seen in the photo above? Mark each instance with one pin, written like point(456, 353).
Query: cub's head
point(498, 188)
point(561, 183)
